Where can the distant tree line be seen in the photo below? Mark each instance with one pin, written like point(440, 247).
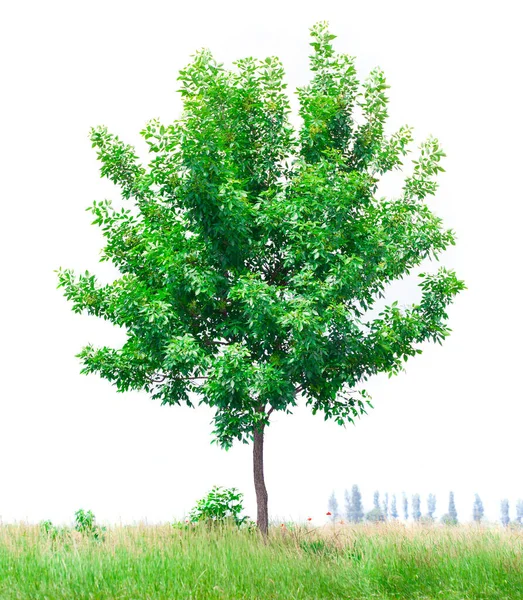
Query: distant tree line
point(383, 510)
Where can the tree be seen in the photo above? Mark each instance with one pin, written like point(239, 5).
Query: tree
point(431, 506)
point(505, 518)
point(256, 254)
point(405, 508)
point(357, 504)
point(355, 507)
point(477, 511)
point(519, 512)
point(348, 506)
point(453, 513)
point(393, 508)
point(416, 507)
point(450, 517)
point(385, 505)
point(333, 507)
point(375, 514)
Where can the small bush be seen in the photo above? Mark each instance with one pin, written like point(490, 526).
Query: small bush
point(447, 519)
point(375, 516)
point(85, 523)
point(220, 505)
point(52, 531)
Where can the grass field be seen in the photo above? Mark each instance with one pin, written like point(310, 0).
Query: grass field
point(344, 562)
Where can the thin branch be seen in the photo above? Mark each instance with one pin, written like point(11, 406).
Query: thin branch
point(160, 377)
point(157, 377)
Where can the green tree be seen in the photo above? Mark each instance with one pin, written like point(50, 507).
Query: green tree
point(519, 512)
point(453, 513)
point(333, 507)
point(477, 511)
point(376, 514)
point(256, 253)
point(450, 517)
point(354, 505)
point(416, 507)
point(431, 506)
point(348, 505)
point(393, 508)
point(385, 505)
point(505, 508)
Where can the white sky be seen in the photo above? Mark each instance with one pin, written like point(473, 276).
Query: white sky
point(452, 421)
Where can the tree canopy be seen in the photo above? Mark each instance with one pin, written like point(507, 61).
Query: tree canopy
point(256, 251)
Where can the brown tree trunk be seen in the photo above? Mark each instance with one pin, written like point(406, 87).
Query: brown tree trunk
point(259, 482)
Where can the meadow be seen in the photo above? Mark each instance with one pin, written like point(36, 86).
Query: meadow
point(142, 562)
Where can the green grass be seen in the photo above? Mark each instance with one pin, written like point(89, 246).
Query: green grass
point(347, 562)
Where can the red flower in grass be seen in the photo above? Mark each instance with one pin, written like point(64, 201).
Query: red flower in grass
point(309, 518)
point(329, 514)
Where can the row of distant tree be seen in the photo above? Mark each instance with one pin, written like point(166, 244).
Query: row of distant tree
point(385, 509)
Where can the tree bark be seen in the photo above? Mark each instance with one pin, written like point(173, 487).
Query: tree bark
point(259, 482)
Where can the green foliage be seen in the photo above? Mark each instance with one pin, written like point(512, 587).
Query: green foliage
point(220, 505)
point(85, 523)
point(256, 252)
point(53, 532)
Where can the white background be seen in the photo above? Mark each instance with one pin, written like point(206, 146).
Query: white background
point(451, 422)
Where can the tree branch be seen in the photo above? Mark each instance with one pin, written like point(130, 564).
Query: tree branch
point(161, 377)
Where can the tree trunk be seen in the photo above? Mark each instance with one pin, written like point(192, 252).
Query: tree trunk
point(259, 482)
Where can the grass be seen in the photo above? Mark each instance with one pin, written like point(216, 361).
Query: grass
point(342, 562)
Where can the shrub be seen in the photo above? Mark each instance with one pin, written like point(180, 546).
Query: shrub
point(448, 519)
point(375, 515)
point(85, 523)
point(50, 530)
point(220, 505)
